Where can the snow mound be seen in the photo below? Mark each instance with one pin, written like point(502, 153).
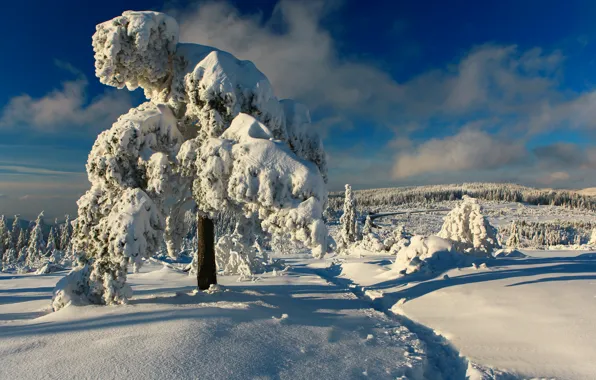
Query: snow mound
point(72, 289)
point(512, 253)
point(135, 50)
point(428, 254)
point(50, 268)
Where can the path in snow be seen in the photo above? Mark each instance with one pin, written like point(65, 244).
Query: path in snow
point(296, 326)
point(444, 359)
point(533, 316)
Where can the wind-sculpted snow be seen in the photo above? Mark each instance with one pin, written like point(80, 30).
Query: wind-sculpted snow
point(248, 170)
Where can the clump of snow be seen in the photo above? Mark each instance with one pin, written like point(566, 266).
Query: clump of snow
point(246, 169)
point(509, 252)
point(428, 254)
point(136, 50)
point(50, 268)
point(234, 256)
point(217, 87)
point(469, 229)
point(72, 289)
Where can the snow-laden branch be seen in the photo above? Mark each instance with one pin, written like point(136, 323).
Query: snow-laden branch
point(246, 169)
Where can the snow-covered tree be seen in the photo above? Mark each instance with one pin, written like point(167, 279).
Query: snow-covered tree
point(16, 232)
point(368, 226)
point(65, 232)
point(5, 238)
point(21, 245)
point(52, 242)
point(349, 224)
point(513, 241)
point(37, 245)
point(10, 257)
point(213, 130)
point(469, 229)
point(593, 237)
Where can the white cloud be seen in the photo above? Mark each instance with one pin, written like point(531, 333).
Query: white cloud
point(468, 150)
point(65, 107)
point(296, 53)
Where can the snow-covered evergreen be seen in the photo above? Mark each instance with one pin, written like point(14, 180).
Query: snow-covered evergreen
point(349, 224)
point(469, 229)
point(16, 233)
point(513, 241)
point(212, 125)
point(65, 233)
point(37, 244)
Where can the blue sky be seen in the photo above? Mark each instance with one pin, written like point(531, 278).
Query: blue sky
point(404, 92)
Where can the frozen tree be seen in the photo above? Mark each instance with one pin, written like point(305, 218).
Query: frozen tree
point(21, 245)
point(5, 239)
point(65, 232)
point(349, 225)
point(16, 232)
point(513, 240)
point(37, 245)
point(593, 237)
point(213, 131)
point(368, 226)
point(10, 257)
point(577, 240)
point(469, 229)
point(52, 240)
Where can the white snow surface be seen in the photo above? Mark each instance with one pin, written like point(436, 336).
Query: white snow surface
point(531, 317)
point(295, 326)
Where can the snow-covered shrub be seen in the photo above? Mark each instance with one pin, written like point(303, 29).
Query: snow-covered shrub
point(398, 240)
point(73, 289)
point(469, 229)
point(428, 254)
point(235, 256)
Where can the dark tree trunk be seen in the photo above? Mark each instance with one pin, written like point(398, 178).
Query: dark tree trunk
point(206, 269)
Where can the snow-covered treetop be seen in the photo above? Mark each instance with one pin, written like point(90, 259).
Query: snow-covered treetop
point(135, 50)
point(205, 87)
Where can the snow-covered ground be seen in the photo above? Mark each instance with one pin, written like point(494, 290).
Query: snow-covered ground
point(533, 316)
point(296, 325)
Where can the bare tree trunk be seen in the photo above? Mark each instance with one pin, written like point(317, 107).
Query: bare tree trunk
point(206, 269)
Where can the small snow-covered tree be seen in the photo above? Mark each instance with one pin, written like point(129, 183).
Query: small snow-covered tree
point(10, 257)
point(16, 232)
point(5, 239)
point(513, 241)
point(348, 222)
point(52, 242)
point(211, 130)
point(37, 245)
point(593, 237)
point(469, 229)
point(65, 233)
point(21, 245)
